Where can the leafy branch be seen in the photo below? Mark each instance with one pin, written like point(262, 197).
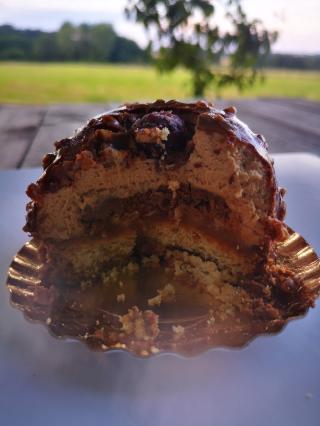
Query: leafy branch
point(185, 33)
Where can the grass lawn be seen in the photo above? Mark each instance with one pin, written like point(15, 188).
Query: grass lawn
point(32, 83)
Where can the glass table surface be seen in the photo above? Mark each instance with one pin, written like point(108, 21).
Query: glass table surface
point(273, 381)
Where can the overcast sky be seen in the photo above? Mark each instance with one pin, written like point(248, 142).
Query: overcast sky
point(297, 21)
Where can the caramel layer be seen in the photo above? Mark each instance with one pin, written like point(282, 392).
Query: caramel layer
point(185, 206)
point(163, 201)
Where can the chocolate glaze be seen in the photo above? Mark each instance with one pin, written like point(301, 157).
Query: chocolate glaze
point(117, 128)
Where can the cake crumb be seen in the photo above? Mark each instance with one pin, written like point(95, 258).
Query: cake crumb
point(230, 311)
point(85, 284)
point(105, 278)
point(226, 311)
point(121, 297)
point(174, 185)
point(166, 294)
point(104, 347)
point(132, 267)
point(178, 330)
point(154, 350)
point(120, 345)
point(155, 301)
point(211, 320)
point(143, 325)
point(238, 194)
point(110, 276)
point(48, 321)
point(114, 274)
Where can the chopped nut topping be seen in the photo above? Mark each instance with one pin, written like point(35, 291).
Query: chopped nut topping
point(152, 135)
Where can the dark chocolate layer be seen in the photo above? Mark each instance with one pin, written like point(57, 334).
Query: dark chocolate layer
point(160, 202)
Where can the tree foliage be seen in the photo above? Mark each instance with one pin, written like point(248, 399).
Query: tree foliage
point(92, 43)
point(186, 33)
point(297, 62)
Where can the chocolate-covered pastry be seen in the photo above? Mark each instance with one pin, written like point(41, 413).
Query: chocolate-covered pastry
point(183, 189)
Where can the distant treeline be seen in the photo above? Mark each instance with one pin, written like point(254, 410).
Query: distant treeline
point(299, 62)
point(92, 43)
point(100, 43)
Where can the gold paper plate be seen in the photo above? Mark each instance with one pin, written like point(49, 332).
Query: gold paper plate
point(186, 332)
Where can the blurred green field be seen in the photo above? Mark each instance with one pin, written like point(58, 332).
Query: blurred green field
point(35, 83)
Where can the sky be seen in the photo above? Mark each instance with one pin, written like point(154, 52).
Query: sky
point(297, 21)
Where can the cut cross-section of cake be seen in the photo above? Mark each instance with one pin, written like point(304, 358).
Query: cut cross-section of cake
point(175, 201)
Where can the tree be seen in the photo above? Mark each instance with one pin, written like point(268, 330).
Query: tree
point(102, 39)
point(16, 45)
point(66, 42)
point(185, 33)
point(127, 51)
point(84, 42)
point(45, 47)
